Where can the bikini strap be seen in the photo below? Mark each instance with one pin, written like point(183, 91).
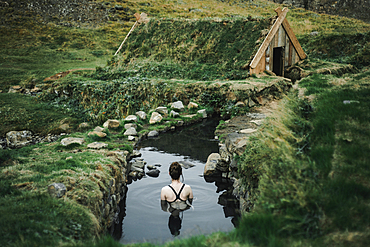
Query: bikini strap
point(174, 191)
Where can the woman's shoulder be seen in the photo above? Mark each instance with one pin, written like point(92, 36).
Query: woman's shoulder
point(187, 186)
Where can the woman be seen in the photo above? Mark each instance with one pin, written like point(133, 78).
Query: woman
point(177, 195)
point(175, 198)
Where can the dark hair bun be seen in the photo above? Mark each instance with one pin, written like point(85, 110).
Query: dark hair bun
point(175, 170)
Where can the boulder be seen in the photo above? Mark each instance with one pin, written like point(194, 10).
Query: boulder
point(15, 89)
point(236, 143)
point(99, 129)
point(174, 114)
point(153, 173)
point(17, 139)
point(141, 115)
point(97, 145)
point(130, 125)
point(186, 164)
point(131, 118)
point(192, 105)
point(178, 105)
point(211, 164)
point(57, 190)
point(130, 132)
point(203, 113)
point(71, 140)
point(111, 123)
point(137, 163)
point(131, 138)
point(151, 167)
point(225, 155)
point(135, 154)
point(162, 109)
point(98, 133)
point(83, 125)
point(153, 133)
point(155, 118)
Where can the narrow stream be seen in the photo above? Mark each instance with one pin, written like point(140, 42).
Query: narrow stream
point(213, 208)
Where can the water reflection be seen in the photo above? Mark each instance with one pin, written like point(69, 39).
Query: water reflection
point(176, 216)
point(195, 141)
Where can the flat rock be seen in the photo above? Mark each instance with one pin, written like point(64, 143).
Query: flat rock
point(174, 114)
point(162, 109)
point(153, 133)
point(151, 167)
point(130, 125)
point(97, 145)
point(192, 105)
point(178, 105)
point(70, 140)
point(131, 138)
point(190, 115)
point(257, 122)
point(135, 154)
point(111, 123)
point(186, 164)
point(203, 113)
point(141, 115)
point(248, 131)
point(99, 129)
point(83, 125)
point(98, 133)
point(153, 173)
point(130, 132)
point(139, 163)
point(131, 118)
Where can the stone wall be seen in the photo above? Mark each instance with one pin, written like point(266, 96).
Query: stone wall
point(358, 9)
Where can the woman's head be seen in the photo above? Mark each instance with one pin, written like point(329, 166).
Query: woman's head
point(175, 170)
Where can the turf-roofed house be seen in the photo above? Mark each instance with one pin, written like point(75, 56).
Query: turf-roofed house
point(233, 48)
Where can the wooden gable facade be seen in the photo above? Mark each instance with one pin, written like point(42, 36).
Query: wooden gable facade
point(279, 50)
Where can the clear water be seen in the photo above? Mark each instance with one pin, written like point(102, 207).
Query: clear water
point(144, 220)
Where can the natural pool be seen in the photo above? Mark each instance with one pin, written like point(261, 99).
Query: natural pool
point(213, 206)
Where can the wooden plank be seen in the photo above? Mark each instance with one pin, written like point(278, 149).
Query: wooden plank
point(290, 53)
point(281, 38)
point(297, 58)
point(269, 37)
point(286, 59)
point(261, 66)
point(293, 56)
point(291, 35)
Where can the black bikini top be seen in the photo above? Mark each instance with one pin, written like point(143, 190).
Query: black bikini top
point(177, 194)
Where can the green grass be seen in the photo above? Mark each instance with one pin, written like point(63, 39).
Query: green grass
point(313, 189)
point(20, 112)
point(42, 220)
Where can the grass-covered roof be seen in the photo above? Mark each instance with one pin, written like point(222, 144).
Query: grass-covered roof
point(222, 45)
